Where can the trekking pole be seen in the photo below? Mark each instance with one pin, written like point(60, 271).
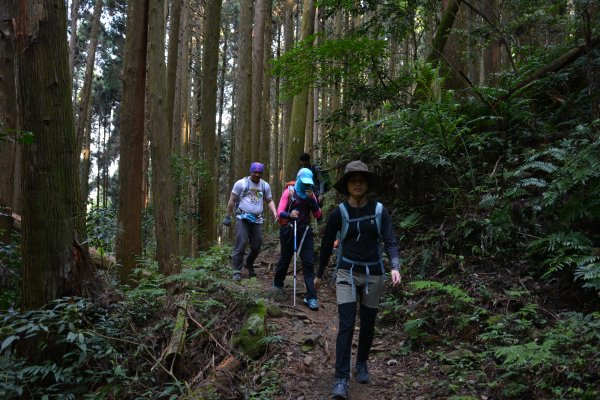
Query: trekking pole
point(295, 256)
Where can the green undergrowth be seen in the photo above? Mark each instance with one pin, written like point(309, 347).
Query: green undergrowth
point(75, 348)
point(509, 348)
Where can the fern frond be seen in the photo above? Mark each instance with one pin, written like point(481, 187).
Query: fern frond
point(411, 220)
point(541, 183)
point(529, 354)
point(489, 201)
point(453, 291)
point(538, 166)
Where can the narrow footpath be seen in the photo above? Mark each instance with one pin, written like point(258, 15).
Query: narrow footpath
point(310, 344)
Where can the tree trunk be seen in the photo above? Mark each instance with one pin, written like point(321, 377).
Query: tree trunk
point(265, 122)
point(174, 32)
point(295, 143)
point(439, 40)
point(8, 117)
point(258, 51)
point(208, 110)
point(275, 148)
point(132, 149)
point(492, 55)
point(160, 147)
point(288, 44)
point(454, 49)
point(53, 264)
point(84, 116)
point(244, 95)
point(180, 129)
point(73, 37)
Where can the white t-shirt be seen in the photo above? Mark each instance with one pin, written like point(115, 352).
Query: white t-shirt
point(252, 202)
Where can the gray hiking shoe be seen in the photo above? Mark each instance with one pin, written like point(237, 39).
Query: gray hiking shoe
point(237, 276)
point(362, 373)
point(340, 389)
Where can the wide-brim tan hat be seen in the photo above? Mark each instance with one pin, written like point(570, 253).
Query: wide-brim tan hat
point(353, 167)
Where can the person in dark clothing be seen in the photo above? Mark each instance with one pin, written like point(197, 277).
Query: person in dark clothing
point(360, 224)
point(319, 186)
point(296, 206)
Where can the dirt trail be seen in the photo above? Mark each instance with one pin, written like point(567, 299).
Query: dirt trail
point(309, 375)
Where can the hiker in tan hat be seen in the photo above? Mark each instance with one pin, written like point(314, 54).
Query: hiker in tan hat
point(361, 225)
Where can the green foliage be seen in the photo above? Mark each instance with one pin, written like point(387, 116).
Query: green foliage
point(456, 293)
point(187, 174)
point(330, 61)
point(78, 360)
point(561, 362)
point(13, 135)
point(10, 272)
point(102, 229)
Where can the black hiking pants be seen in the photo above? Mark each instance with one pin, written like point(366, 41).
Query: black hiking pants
point(307, 255)
point(347, 297)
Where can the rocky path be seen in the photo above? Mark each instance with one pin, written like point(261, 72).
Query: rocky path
point(310, 345)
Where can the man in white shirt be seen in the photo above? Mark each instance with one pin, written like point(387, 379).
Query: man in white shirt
point(246, 199)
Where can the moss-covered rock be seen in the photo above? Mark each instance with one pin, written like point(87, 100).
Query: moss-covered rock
point(249, 339)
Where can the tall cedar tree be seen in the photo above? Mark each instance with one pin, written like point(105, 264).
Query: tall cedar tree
point(244, 93)
point(53, 264)
point(160, 148)
point(131, 149)
point(8, 119)
point(295, 143)
point(208, 110)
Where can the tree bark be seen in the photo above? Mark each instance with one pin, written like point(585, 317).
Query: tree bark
point(295, 144)
point(265, 121)
point(244, 94)
point(180, 137)
point(288, 44)
point(160, 147)
point(556, 65)
point(73, 37)
point(258, 51)
point(208, 105)
point(8, 117)
point(53, 264)
point(172, 63)
point(132, 149)
point(441, 37)
point(84, 114)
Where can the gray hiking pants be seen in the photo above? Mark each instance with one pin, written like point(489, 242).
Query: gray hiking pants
point(246, 233)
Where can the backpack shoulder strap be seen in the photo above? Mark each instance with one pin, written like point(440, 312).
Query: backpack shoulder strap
point(342, 233)
point(378, 212)
point(243, 193)
point(345, 222)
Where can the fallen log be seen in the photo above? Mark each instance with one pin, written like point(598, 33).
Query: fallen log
point(554, 66)
point(174, 350)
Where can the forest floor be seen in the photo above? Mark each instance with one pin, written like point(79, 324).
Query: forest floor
point(309, 373)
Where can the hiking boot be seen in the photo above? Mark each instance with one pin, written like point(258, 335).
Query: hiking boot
point(313, 304)
point(340, 389)
point(362, 373)
point(237, 276)
point(251, 272)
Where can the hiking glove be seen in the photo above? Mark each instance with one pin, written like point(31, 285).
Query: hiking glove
point(314, 206)
point(227, 220)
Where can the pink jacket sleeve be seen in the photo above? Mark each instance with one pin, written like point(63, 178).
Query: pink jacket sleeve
point(317, 214)
point(283, 202)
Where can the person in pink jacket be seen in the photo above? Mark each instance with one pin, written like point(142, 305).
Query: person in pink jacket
point(296, 205)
